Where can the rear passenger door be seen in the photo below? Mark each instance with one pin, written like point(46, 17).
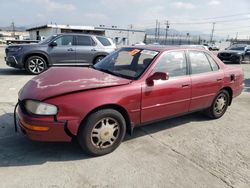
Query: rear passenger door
point(206, 79)
point(85, 50)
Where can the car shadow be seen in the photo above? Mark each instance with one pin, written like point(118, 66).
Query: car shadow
point(17, 150)
point(12, 71)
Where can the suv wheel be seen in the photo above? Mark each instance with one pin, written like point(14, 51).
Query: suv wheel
point(98, 59)
point(102, 132)
point(35, 65)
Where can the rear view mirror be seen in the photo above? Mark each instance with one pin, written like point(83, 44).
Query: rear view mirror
point(156, 76)
point(53, 43)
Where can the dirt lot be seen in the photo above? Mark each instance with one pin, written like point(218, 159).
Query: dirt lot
point(189, 151)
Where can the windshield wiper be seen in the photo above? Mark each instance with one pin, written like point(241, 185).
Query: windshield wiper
point(109, 72)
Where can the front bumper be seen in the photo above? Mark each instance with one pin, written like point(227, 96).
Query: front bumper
point(42, 128)
point(232, 58)
point(13, 61)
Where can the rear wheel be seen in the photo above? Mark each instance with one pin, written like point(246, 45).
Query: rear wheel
point(98, 59)
point(35, 65)
point(219, 105)
point(102, 132)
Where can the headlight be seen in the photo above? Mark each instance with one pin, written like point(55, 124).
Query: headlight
point(14, 48)
point(40, 108)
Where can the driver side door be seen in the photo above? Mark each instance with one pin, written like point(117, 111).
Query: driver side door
point(64, 53)
point(167, 98)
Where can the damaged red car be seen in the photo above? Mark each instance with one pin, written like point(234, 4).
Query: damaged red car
point(131, 87)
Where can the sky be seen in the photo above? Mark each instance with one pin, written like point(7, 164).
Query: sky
point(230, 16)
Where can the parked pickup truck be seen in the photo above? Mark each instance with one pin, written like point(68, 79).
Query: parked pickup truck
point(131, 87)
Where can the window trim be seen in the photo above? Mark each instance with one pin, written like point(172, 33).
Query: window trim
point(60, 36)
point(213, 60)
point(169, 51)
point(190, 63)
point(93, 41)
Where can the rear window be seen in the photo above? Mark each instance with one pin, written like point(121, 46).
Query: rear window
point(104, 41)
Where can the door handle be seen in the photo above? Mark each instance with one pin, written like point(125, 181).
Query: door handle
point(219, 79)
point(93, 50)
point(185, 85)
point(70, 49)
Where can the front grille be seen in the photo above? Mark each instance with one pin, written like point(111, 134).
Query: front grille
point(225, 55)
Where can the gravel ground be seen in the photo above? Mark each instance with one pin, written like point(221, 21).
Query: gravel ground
point(189, 151)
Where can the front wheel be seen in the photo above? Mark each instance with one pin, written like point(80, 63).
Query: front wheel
point(35, 65)
point(219, 105)
point(102, 132)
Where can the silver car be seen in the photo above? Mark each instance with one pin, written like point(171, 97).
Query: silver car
point(59, 50)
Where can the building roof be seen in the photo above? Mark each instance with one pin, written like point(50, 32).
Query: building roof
point(79, 27)
point(72, 27)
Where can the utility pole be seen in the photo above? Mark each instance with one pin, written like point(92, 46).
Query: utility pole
point(156, 28)
point(13, 29)
point(159, 29)
point(166, 34)
point(129, 28)
point(236, 36)
point(212, 34)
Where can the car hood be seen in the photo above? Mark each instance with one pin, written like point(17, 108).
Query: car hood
point(61, 80)
point(232, 51)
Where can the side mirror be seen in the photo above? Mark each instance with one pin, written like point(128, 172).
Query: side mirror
point(156, 76)
point(53, 43)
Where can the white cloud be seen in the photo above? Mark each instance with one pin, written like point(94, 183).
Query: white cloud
point(214, 2)
point(184, 5)
point(52, 5)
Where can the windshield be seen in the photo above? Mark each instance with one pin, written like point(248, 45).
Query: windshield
point(129, 63)
point(47, 40)
point(237, 48)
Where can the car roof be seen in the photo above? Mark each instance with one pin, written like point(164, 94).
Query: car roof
point(162, 48)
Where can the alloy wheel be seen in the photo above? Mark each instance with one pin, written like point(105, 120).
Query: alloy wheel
point(105, 133)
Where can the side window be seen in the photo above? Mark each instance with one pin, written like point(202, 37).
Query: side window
point(199, 62)
point(213, 64)
point(84, 41)
point(104, 41)
point(174, 63)
point(66, 40)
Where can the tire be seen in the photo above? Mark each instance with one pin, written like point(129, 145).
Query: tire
point(98, 59)
point(102, 132)
point(219, 105)
point(35, 65)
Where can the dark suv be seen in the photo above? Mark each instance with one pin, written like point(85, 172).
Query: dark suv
point(235, 54)
point(59, 50)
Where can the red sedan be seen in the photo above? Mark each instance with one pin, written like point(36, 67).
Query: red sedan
point(132, 86)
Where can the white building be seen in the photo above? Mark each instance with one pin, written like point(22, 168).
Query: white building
point(121, 37)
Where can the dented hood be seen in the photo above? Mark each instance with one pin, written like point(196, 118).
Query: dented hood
point(62, 80)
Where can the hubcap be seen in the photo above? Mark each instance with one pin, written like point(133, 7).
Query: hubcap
point(105, 133)
point(36, 65)
point(220, 104)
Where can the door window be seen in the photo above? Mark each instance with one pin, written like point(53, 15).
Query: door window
point(199, 62)
point(84, 41)
point(173, 63)
point(64, 41)
point(214, 65)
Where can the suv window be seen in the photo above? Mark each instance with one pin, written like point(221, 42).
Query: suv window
point(104, 41)
point(174, 63)
point(199, 62)
point(84, 41)
point(66, 40)
point(213, 64)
